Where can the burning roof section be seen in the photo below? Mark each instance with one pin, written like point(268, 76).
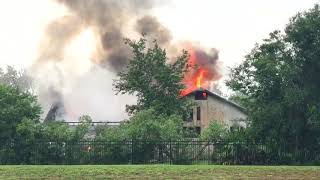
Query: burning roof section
point(204, 69)
point(204, 93)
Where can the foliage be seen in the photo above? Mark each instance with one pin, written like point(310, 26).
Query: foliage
point(145, 125)
point(280, 85)
point(14, 78)
point(31, 136)
point(15, 106)
point(82, 129)
point(155, 82)
point(111, 133)
point(143, 132)
point(54, 131)
point(238, 98)
point(239, 134)
point(29, 130)
point(216, 132)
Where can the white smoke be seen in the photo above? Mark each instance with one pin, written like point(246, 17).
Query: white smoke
point(69, 78)
point(88, 92)
point(82, 51)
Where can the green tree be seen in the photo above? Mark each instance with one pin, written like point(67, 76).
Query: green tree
point(216, 132)
point(110, 133)
point(82, 129)
point(60, 131)
point(280, 85)
point(155, 82)
point(146, 130)
point(145, 125)
point(14, 78)
point(29, 130)
point(16, 105)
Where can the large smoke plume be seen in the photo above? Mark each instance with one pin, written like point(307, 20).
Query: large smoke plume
point(61, 87)
point(64, 88)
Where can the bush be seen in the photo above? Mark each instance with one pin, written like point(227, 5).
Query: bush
point(16, 105)
point(216, 132)
point(145, 130)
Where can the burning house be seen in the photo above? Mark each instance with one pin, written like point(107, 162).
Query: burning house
point(209, 106)
point(69, 86)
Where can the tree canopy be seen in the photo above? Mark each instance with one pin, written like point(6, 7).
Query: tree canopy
point(15, 78)
point(155, 82)
point(146, 125)
point(15, 106)
point(279, 83)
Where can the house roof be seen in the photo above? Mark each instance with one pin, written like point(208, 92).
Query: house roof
point(212, 94)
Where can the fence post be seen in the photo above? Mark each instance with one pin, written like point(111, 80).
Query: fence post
point(131, 161)
point(170, 152)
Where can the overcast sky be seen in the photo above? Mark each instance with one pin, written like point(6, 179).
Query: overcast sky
point(233, 27)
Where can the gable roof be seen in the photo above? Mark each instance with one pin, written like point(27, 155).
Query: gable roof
point(212, 94)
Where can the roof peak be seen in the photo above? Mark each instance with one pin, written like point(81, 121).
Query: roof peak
point(210, 93)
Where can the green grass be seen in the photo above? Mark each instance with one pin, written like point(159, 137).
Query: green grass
point(158, 172)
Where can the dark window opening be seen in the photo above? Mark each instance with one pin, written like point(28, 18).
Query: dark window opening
point(200, 95)
point(198, 130)
point(198, 113)
point(190, 118)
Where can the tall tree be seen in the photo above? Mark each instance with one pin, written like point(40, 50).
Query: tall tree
point(15, 106)
point(280, 85)
point(155, 82)
point(15, 78)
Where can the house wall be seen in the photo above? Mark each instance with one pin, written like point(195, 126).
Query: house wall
point(214, 109)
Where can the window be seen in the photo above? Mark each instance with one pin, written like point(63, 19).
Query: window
point(198, 113)
point(201, 95)
point(190, 118)
point(198, 130)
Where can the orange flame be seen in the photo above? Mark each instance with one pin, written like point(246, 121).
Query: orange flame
point(199, 79)
point(203, 71)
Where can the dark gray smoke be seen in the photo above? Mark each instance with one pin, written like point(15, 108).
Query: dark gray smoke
point(111, 22)
point(205, 65)
point(109, 18)
point(57, 109)
point(150, 26)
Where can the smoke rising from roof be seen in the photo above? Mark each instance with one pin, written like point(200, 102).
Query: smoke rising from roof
point(205, 69)
point(151, 26)
point(84, 85)
point(110, 19)
point(58, 34)
point(56, 74)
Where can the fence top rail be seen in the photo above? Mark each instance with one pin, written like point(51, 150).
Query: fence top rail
point(142, 141)
point(94, 123)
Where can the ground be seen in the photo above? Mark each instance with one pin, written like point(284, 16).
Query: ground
point(158, 172)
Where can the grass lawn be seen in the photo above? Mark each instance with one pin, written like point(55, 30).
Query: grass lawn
point(158, 172)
